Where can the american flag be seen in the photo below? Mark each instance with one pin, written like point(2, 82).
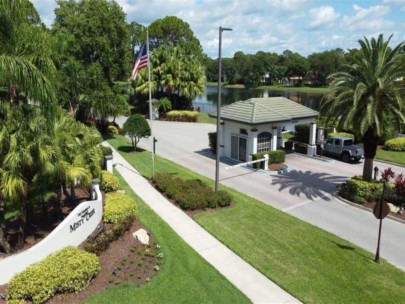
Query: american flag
point(141, 62)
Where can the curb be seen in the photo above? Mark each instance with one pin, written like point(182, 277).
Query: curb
point(337, 196)
point(389, 163)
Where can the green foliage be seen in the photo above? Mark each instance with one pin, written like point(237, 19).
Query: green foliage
point(212, 141)
point(112, 130)
point(301, 148)
point(105, 238)
point(164, 105)
point(106, 150)
point(288, 145)
point(68, 270)
point(395, 144)
point(189, 116)
point(359, 191)
point(302, 133)
point(275, 157)
point(118, 206)
point(190, 194)
point(343, 134)
point(136, 127)
point(109, 182)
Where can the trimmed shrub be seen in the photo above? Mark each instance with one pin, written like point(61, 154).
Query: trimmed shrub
point(113, 130)
point(275, 157)
point(395, 144)
point(344, 134)
point(109, 182)
point(191, 194)
point(68, 270)
point(302, 133)
point(102, 242)
point(189, 116)
point(360, 191)
point(118, 206)
point(288, 145)
point(106, 150)
point(212, 141)
point(301, 147)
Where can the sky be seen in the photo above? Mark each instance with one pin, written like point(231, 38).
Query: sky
point(302, 26)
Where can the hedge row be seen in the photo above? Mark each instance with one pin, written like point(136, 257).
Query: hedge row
point(189, 116)
point(395, 144)
point(68, 270)
point(109, 182)
point(359, 191)
point(190, 194)
point(343, 134)
point(275, 157)
point(301, 148)
point(118, 206)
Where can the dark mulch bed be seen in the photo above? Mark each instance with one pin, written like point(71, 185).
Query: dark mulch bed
point(126, 260)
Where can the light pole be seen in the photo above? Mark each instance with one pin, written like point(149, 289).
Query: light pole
point(221, 29)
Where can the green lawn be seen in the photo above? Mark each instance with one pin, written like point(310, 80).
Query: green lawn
point(391, 156)
point(301, 89)
point(184, 277)
point(204, 118)
point(311, 264)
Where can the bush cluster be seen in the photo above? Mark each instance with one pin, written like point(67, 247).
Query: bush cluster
point(113, 130)
point(191, 194)
point(118, 206)
point(395, 144)
point(275, 157)
point(360, 191)
point(106, 150)
point(212, 141)
point(343, 134)
point(189, 116)
point(109, 182)
point(68, 270)
point(301, 147)
point(104, 239)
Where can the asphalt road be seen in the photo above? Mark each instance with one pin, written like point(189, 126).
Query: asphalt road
point(305, 192)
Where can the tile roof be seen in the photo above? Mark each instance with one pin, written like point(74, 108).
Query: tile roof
point(264, 110)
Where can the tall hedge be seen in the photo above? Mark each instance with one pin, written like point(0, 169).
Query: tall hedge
point(302, 133)
point(395, 144)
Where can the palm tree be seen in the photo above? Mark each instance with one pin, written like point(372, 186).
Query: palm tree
point(369, 95)
point(25, 65)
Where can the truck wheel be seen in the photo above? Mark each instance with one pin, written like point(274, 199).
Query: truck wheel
point(346, 157)
point(357, 159)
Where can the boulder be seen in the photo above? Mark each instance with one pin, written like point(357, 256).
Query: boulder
point(393, 208)
point(142, 236)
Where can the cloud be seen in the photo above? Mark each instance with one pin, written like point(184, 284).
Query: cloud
point(322, 16)
point(368, 19)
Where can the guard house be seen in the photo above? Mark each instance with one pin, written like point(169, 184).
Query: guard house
point(256, 125)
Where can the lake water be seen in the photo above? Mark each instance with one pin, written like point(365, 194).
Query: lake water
point(208, 101)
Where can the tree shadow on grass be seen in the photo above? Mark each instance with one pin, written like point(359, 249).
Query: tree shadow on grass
point(130, 149)
point(312, 185)
point(352, 249)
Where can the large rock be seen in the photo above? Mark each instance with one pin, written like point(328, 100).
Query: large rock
point(142, 236)
point(393, 208)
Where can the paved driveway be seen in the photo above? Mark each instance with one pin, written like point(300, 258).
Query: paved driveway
point(305, 192)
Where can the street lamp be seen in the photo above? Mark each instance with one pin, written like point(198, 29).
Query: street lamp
point(221, 29)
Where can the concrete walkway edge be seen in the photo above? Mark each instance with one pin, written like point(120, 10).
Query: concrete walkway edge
point(257, 287)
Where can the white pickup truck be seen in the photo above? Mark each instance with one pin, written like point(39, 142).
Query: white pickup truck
point(343, 147)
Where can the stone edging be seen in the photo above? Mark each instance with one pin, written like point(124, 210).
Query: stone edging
point(366, 209)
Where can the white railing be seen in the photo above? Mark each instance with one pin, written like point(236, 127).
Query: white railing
point(74, 230)
point(265, 159)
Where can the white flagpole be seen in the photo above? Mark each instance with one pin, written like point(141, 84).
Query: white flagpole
point(150, 106)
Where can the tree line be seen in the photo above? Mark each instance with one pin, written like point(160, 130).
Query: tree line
point(265, 68)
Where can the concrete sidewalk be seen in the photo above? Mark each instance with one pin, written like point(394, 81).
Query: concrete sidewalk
point(257, 287)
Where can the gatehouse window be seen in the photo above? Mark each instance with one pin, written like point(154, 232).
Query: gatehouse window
point(264, 142)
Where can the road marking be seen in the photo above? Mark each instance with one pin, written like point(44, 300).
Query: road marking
point(323, 196)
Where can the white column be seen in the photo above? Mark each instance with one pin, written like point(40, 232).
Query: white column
point(312, 133)
point(274, 139)
point(95, 188)
point(253, 137)
point(266, 162)
point(321, 135)
point(109, 163)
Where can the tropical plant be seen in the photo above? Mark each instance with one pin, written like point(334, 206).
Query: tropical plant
point(136, 127)
point(368, 95)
